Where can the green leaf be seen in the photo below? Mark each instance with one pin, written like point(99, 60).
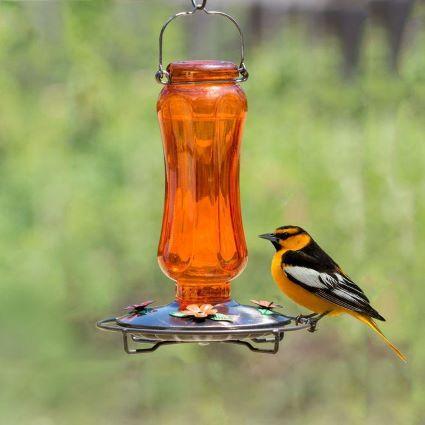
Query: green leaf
point(223, 317)
point(178, 314)
point(266, 311)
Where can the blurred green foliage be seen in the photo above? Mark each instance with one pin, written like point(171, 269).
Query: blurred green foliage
point(80, 214)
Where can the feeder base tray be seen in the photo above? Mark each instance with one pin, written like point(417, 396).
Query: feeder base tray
point(249, 326)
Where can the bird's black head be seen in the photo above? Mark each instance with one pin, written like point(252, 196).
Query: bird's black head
point(288, 238)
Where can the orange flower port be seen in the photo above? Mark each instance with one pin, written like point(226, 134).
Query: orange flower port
point(269, 305)
point(200, 312)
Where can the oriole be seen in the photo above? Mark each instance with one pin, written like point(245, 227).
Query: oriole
point(311, 278)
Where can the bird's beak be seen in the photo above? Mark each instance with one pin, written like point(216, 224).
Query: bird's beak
point(270, 237)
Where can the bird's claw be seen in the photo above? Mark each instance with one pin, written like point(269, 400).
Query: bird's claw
point(313, 325)
point(300, 320)
point(313, 320)
point(303, 319)
point(310, 320)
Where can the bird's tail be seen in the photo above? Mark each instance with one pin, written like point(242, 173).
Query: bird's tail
point(370, 322)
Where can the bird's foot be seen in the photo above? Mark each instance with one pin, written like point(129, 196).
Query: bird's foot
point(304, 319)
point(313, 325)
point(312, 321)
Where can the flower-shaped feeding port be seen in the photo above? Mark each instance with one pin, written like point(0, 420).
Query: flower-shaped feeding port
point(139, 309)
point(266, 307)
point(202, 312)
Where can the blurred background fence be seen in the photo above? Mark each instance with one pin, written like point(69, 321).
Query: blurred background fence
point(334, 142)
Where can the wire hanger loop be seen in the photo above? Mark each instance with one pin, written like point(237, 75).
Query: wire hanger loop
point(163, 77)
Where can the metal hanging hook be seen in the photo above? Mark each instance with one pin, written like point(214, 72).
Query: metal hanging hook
point(163, 77)
point(199, 6)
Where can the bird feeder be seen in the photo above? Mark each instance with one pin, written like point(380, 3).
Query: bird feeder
point(201, 112)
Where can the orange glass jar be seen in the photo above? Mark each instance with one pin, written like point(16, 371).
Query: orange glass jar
point(202, 246)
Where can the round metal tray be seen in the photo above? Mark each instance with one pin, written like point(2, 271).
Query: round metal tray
point(158, 327)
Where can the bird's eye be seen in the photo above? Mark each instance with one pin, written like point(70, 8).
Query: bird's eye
point(283, 235)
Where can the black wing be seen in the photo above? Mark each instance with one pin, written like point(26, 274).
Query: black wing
point(316, 272)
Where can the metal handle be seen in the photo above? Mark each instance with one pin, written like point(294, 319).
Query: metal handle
point(163, 77)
